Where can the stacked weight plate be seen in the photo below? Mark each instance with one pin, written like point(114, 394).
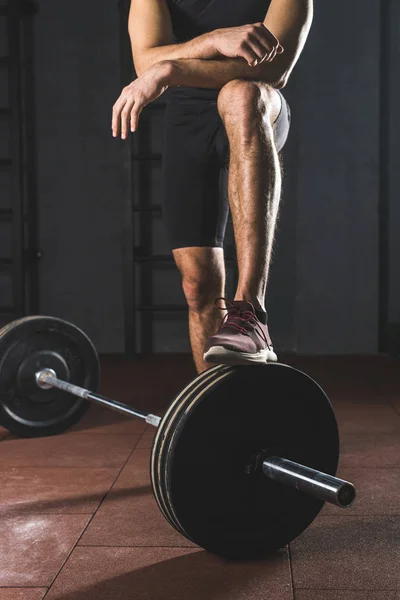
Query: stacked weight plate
point(206, 461)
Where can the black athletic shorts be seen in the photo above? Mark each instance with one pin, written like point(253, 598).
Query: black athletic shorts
point(195, 167)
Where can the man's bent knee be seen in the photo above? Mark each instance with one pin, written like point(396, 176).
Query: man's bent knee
point(248, 104)
point(238, 94)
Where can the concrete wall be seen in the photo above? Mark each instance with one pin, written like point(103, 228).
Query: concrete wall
point(323, 293)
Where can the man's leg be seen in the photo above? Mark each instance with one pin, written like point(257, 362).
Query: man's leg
point(203, 280)
point(248, 110)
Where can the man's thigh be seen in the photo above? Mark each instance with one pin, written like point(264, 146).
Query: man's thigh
point(194, 209)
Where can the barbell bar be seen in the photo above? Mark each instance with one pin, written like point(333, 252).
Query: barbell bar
point(310, 481)
point(227, 464)
point(47, 378)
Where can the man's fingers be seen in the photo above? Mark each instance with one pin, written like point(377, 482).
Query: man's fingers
point(272, 55)
point(273, 40)
point(134, 119)
point(135, 113)
point(249, 55)
point(116, 114)
point(258, 47)
point(267, 38)
point(125, 119)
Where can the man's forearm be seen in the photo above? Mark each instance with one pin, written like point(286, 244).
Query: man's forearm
point(199, 47)
point(215, 73)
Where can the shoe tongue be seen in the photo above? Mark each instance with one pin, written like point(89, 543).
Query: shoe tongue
point(243, 305)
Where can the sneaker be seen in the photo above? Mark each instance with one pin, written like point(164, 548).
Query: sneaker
point(241, 339)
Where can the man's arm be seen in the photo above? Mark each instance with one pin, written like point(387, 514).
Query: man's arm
point(255, 44)
point(150, 32)
point(288, 20)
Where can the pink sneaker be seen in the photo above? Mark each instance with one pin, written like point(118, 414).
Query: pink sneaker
point(241, 339)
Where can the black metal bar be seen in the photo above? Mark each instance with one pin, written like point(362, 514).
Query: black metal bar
point(30, 201)
point(310, 481)
point(142, 193)
point(384, 173)
point(129, 287)
point(13, 35)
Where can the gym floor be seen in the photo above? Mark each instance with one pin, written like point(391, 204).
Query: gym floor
point(79, 521)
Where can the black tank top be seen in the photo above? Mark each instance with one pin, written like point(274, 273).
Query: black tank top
point(191, 18)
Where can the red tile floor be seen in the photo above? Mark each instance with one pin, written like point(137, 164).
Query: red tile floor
point(79, 521)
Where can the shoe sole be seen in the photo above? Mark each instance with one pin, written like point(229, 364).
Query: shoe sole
point(221, 355)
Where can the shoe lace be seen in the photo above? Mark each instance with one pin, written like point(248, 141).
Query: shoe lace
point(239, 319)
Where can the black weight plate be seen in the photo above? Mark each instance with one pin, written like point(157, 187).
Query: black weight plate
point(164, 450)
point(165, 430)
point(215, 489)
point(29, 345)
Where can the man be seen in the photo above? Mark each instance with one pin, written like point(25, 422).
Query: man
point(224, 63)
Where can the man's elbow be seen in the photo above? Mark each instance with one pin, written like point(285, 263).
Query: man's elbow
point(276, 77)
point(140, 60)
point(281, 81)
point(139, 64)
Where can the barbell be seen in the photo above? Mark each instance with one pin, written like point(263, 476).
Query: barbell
point(228, 460)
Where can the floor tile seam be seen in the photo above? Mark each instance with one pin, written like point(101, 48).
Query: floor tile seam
point(90, 520)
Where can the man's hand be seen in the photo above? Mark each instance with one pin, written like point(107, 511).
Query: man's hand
point(135, 96)
point(255, 43)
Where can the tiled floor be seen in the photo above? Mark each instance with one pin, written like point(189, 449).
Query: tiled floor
point(79, 521)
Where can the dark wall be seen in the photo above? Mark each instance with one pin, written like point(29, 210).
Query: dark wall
point(79, 167)
point(393, 171)
point(323, 293)
point(337, 110)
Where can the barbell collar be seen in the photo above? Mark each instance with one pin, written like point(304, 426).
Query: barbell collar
point(310, 481)
point(47, 379)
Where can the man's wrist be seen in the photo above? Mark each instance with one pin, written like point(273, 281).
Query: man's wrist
point(166, 69)
point(210, 39)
